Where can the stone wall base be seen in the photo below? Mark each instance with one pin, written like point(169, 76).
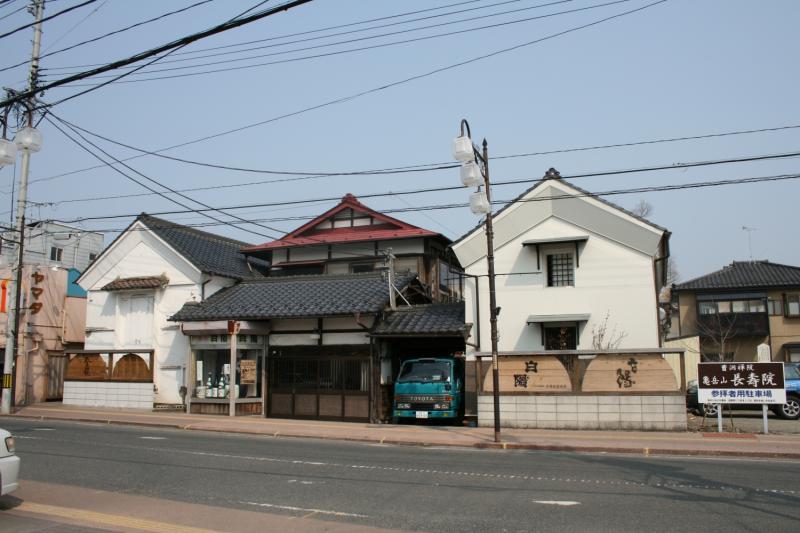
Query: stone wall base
point(633, 412)
point(108, 394)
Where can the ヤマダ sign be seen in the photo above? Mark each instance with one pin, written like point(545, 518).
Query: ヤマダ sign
point(759, 383)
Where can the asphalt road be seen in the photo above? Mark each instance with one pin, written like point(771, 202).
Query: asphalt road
point(420, 489)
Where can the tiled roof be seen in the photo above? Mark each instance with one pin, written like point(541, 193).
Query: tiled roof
point(432, 319)
point(295, 297)
point(139, 282)
point(746, 275)
point(307, 234)
point(581, 192)
point(212, 254)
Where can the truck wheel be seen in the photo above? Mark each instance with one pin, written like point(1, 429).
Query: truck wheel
point(791, 409)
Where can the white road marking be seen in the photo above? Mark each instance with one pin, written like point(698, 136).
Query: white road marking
point(44, 429)
point(665, 484)
point(304, 482)
point(563, 503)
point(304, 510)
point(154, 438)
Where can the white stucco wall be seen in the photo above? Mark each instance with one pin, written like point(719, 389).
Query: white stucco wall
point(139, 253)
point(611, 278)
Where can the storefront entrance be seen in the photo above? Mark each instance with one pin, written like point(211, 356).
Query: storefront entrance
point(319, 382)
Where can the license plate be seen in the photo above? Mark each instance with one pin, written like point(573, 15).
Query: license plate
point(422, 414)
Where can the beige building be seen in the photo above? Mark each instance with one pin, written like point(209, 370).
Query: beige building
point(733, 310)
point(52, 320)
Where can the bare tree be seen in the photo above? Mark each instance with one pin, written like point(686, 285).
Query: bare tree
point(603, 339)
point(720, 333)
point(642, 209)
point(673, 276)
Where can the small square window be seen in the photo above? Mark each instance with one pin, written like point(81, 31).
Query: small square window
point(560, 270)
point(357, 268)
point(792, 305)
point(56, 253)
point(92, 257)
point(775, 307)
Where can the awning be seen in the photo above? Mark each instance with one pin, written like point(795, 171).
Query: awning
point(575, 317)
point(139, 282)
point(576, 240)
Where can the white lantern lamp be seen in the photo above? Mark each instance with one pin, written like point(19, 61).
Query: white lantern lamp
point(462, 149)
point(471, 174)
point(479, 204)
point(28, 139)
point(8, 152)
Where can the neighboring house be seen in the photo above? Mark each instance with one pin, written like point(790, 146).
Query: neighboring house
point(733, 310)
point(333, 282)
point(577, 285)
point(53, 244)
point(568, 264)
point(51, 324)
point(135, 357)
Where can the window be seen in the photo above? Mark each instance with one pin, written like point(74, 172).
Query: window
point(560, 271)
point(561, 338)
point(707, 308)
point(792, 305)
point(756, 306)
point(357, 268)
point(775, 307)
point(56, 253)
point(723, 307)
point(92, 257)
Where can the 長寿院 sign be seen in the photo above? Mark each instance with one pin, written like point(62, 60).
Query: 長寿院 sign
point(754, 383)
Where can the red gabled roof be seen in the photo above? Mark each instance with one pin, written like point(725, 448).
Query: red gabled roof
point(305, 235)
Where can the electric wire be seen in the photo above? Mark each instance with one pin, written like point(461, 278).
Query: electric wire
point(391, 84)
point(23, 8)
point(612, 192)
point(75, 26)
point(339, 52)
point(226, 26)
point(109, 34)
point(651, 168)
point(308, 32)
point(142, 184)
point(48, 18)
point(409, 30)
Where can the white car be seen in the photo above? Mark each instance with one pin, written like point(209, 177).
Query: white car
point(9, 464)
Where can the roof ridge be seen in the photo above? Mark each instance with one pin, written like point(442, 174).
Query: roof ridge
point(168, 224)
point(324, 277)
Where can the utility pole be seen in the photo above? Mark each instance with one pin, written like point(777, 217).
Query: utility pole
point(12, 326)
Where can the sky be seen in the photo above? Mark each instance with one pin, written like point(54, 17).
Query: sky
point(527, 75)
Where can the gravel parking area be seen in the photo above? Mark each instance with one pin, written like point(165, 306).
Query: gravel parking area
point(744, 421)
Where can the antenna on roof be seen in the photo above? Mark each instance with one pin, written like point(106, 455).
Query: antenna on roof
point(749, 231)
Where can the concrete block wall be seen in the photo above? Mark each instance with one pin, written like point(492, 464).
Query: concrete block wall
point(634, 412)
point(108, 394)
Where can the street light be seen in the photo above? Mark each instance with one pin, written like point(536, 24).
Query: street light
point(474, 170)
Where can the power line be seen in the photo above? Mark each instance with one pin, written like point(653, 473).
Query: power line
point(109, 34)
point(456, 187)
point(652, 168)
point(276, 38)
point(141, 183)
point(45, 19)
point(340, 52)
point(23, 8)
point(231, 24)
point(74, 26)
point(378, 36)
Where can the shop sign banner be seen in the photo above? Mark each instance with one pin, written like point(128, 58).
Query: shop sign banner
point(247, 369)
point(749, 383)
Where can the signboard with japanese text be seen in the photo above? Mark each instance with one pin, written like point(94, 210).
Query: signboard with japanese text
point(750, 383)
point(247, 369)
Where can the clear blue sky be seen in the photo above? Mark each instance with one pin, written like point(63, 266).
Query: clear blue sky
point(680, 68)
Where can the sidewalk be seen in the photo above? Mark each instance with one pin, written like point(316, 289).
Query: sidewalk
point(629, 442)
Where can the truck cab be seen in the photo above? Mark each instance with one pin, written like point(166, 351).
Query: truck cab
point(430, 387)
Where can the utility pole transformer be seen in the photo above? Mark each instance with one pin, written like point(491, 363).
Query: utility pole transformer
point(12, 326)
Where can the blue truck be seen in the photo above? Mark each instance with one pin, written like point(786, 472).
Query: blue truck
point(429, 388)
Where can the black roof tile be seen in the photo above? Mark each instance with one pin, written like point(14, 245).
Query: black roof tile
point(432, 319)
point(745, 275)
point(296, 297)
point(212, 254)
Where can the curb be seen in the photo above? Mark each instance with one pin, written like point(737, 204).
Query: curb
point(644, 451)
